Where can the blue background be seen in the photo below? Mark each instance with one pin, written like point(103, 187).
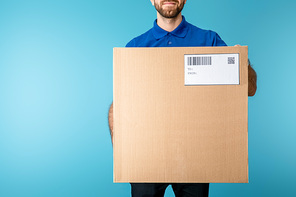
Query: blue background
point(56, 88)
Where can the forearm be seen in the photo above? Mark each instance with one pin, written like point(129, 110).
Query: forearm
point(110, 119)
point(252, 81)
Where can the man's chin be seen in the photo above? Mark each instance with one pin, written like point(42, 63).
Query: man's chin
point(170, 11)
point(169, 14)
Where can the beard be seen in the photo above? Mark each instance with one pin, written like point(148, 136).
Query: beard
point(171, 12)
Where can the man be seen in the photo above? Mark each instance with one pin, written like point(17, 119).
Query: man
point(172, 30)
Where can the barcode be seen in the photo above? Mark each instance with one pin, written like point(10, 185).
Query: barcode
point(231, 60)
point(191, 61)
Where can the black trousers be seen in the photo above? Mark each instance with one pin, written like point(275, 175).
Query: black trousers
point(180, 189)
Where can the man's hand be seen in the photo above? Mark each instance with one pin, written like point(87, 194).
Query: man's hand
point(110, 118)
point(252, 78)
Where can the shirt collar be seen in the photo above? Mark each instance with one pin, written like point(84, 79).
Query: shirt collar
point(180, 31)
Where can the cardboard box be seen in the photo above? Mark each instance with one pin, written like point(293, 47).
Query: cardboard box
point(168, 129)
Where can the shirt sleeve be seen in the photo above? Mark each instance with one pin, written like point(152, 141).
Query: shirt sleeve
point(130, 43)
point(217, 41)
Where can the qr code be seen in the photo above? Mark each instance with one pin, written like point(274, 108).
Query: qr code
point(231, 60)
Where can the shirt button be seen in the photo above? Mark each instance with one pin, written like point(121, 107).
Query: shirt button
point(169, 42)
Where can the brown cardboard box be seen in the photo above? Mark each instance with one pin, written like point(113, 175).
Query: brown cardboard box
point(166, 131)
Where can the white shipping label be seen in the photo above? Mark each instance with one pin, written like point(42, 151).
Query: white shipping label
point(212, 69)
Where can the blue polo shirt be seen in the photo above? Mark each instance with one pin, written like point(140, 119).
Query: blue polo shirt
point(185, 35)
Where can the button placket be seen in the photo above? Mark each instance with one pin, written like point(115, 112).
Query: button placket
point(169, 39)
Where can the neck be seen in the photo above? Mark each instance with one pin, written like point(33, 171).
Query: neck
point(168, 24)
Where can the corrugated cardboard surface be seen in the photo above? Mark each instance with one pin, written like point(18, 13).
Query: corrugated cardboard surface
point(165, 131)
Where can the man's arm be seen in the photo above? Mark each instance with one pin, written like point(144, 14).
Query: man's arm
point(110, 119)
point(252, 78)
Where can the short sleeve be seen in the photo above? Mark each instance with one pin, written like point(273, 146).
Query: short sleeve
point(217, 41)
point(130, 43)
